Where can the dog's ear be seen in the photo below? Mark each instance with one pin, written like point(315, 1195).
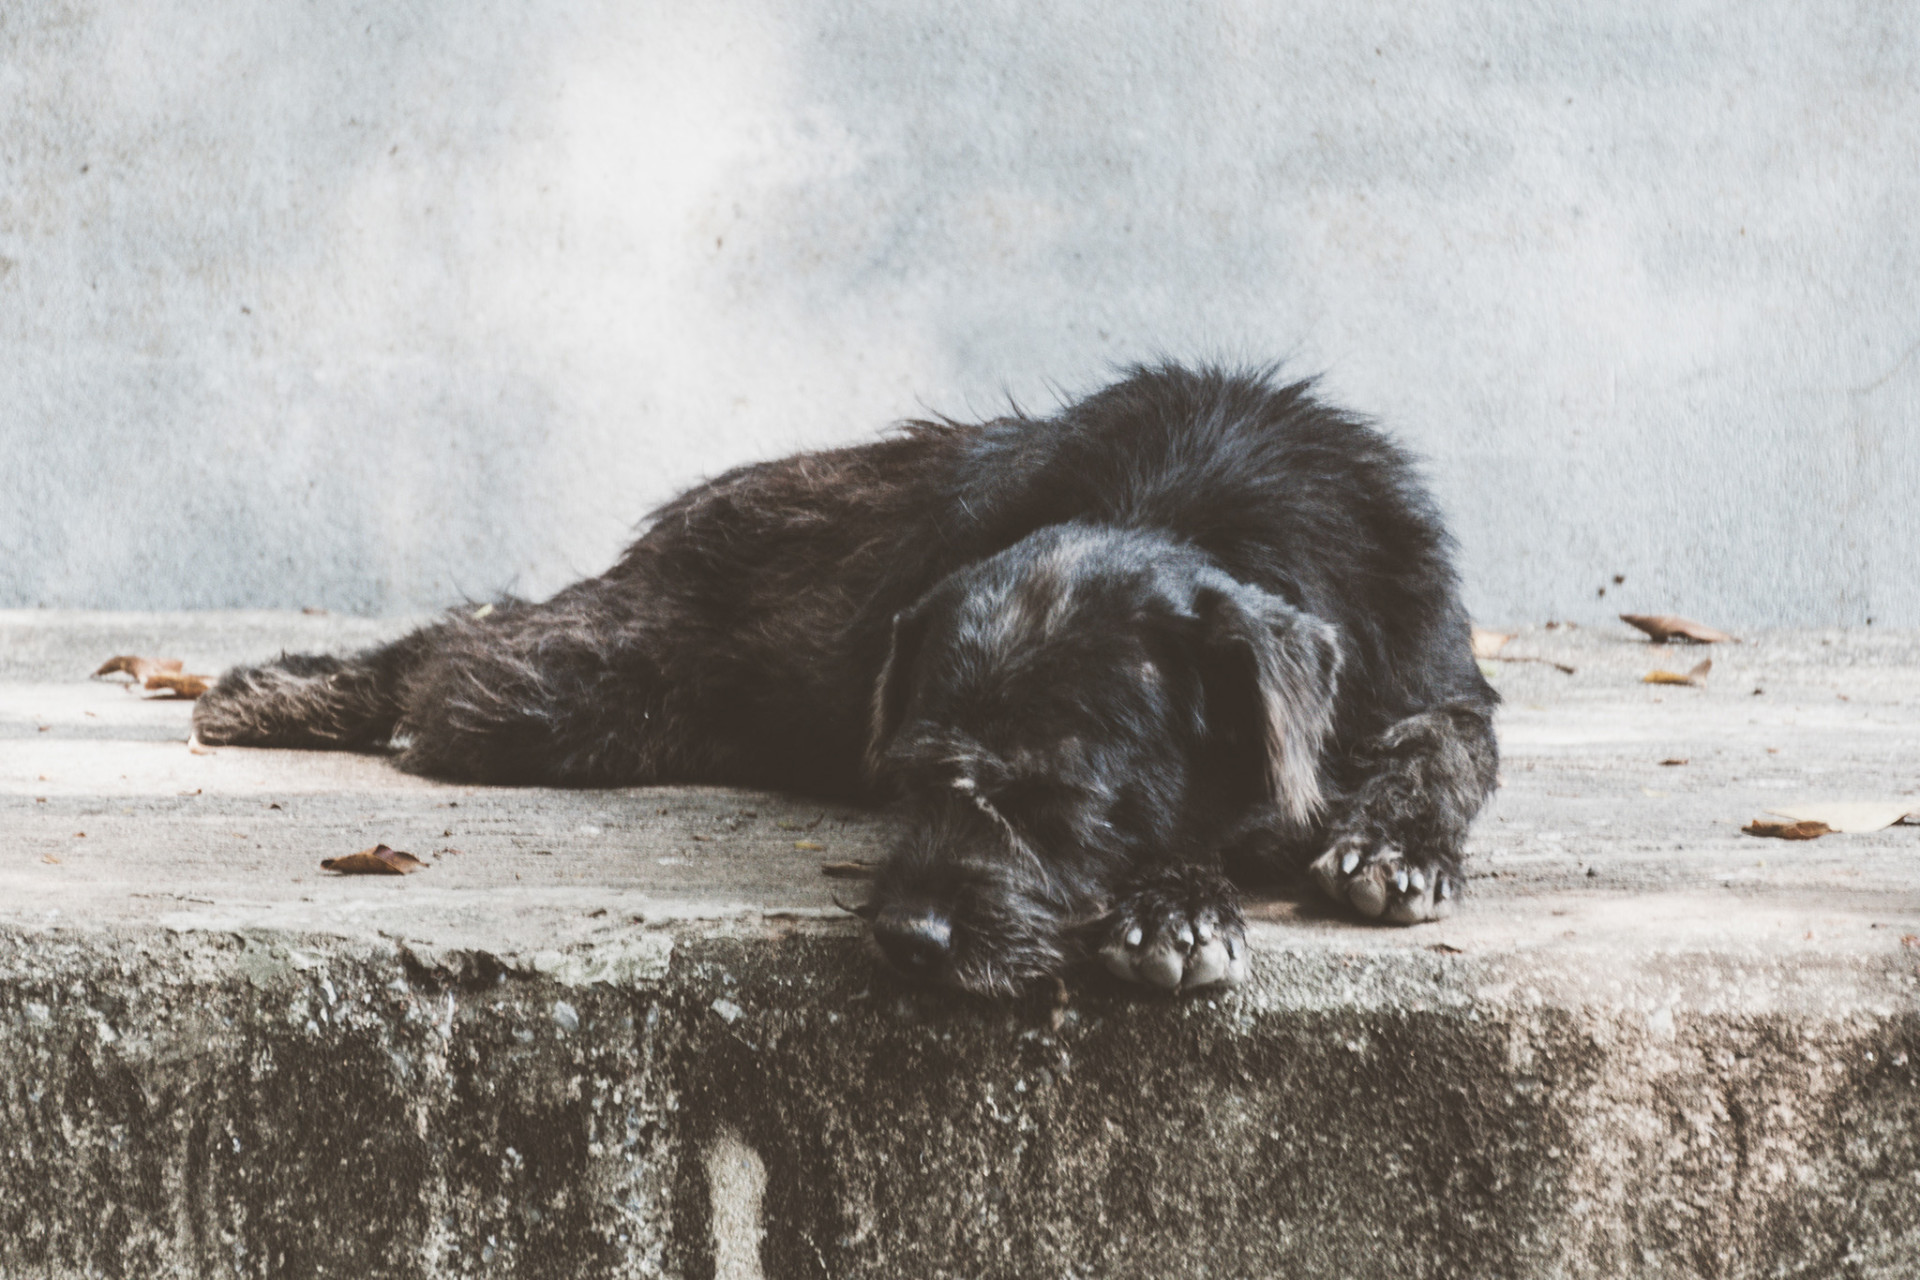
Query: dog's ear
point(891, 690)
point(1268, 673)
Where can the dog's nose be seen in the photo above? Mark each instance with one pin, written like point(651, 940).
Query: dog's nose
point(917, 941)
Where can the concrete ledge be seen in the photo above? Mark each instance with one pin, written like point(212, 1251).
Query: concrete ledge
point(626, 1033)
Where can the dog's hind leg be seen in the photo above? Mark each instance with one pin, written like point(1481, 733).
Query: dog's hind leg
point(562, 693)
point(1394, 847)
point(311, 700)
point(566, 693)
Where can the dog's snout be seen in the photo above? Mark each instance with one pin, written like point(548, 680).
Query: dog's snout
point(916, 940)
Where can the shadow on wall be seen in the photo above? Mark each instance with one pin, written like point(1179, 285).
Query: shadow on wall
point(371, 310)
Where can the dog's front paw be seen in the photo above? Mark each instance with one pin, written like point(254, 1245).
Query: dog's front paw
point(1381, 881)
point(1177, 929)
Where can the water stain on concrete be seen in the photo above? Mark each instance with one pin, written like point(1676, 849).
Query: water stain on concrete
point(736, 1180)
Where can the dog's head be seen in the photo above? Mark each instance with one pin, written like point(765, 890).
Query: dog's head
point(1067, 710)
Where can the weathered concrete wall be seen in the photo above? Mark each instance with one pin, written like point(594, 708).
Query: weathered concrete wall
point(262, 1105)
point(367, 306)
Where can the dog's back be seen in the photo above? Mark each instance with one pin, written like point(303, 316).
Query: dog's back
point(737, 640)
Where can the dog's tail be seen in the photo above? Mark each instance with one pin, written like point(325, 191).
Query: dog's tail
point(312, 700)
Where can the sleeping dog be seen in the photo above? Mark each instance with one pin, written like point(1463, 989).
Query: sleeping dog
point(1106, 663)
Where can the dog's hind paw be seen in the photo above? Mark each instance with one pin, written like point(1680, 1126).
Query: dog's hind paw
point(1380, 882)
point(1178, 929)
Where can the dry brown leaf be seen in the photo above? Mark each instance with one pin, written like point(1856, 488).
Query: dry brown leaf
point(1446, 948)
point(1488, 643)
point(1852, 817)
point(847, 870)
point(139, 668)
point(808, 846)
point(1697, 677)
point(1663, 627)
point(178, 685)
point(1674, 760)
point(155, 673)
point(1780, 829)
point(377, 861)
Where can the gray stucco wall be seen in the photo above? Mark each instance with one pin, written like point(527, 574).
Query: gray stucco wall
point(367, 306)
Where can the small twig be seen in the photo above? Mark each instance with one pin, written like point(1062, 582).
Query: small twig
point(1502, 657)
point(848, 870)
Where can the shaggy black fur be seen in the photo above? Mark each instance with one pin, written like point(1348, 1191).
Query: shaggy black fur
point(1192, 624)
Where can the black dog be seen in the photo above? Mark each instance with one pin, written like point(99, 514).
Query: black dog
point(1194, 624)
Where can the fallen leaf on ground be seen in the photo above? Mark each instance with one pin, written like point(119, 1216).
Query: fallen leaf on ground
point(808, 846)
point(155, 673)
point(1910, 939)
point(1697, 677)
point(1782, 830)
point(1446, 948)
point(1663, 627)
point(377, 861)
point(1488, 643)
point(179, 685)
point(47, 857)
point(1673, 760)
point(847, 870)
point(1851, 816)
point(138, 668)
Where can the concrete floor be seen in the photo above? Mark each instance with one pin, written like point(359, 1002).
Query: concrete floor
point(1590, 837)
point(1628, 967)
